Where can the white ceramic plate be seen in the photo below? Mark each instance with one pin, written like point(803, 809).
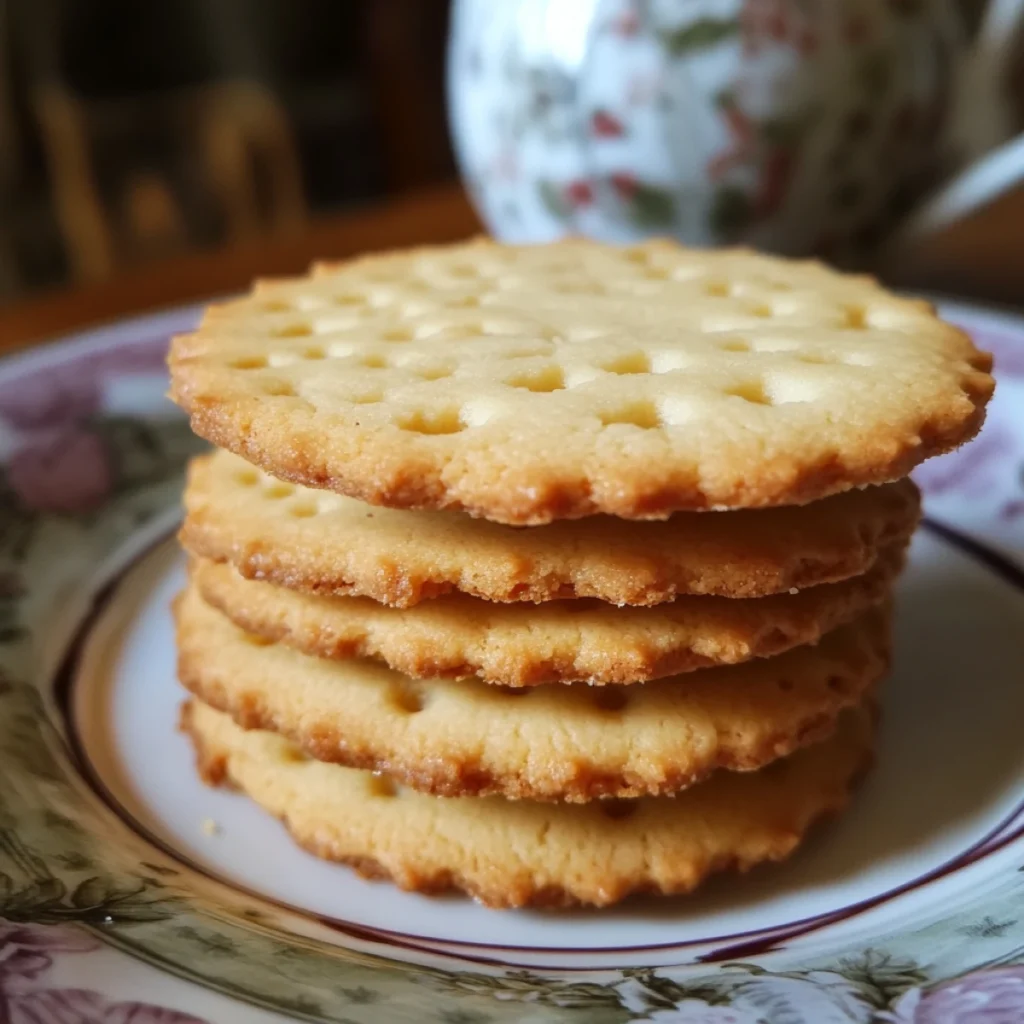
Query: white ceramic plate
point(132, 892)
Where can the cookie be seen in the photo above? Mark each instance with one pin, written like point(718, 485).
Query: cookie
point(520, 853)
point(526, 384)
point(324, 543)
point(558, 642)
point(545, 743)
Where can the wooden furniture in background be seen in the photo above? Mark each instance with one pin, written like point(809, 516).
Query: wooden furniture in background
point(136, 132)
point(440, 215)
point(406, 77)
point(973, 259)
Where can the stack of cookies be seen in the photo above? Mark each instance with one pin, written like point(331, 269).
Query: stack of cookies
point(554, 574)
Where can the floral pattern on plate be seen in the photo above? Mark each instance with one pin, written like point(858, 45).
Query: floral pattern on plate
point(81, 474)
point(27, 954)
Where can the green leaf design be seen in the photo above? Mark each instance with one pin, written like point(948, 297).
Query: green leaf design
point(907, 8)
point(40, 900)
point(303, 1005)
point(788, 131)
point(988, 927)
point(158, 869)
point(54, 819)
point(361, 996)
point(875, 71)
point(45, 891)
point(699, 35)
point(553, 200)
point(653, 207)
point(93, 892)
point(464, 1017)
point(881, 977)
point(137, 913)
point(724, 99)
point(730, 211)
point(143, 452)
point(73, 860)
point(526, 987)
point(34, 894)
point(17, 523)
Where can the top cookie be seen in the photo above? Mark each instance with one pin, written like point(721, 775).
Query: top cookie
point(526, 384)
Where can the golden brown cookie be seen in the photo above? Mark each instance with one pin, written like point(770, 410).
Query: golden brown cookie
point(526, 384)
point(519, 853)
point(324, 543)
point(547, 742)
point(558, 642)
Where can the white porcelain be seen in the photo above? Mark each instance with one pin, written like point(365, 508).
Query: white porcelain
point(792, 126)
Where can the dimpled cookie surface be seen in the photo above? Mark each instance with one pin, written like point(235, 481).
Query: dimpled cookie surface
point(526, 384)
point(596, 853)
point(555, 742)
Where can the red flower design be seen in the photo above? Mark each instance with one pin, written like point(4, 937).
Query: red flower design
point(71, 391)
point(807, 42)
point(625, 184)
point(26, 953)
point(606, 126)
point(40, 400)
point(579, 193)
point(774, 22)
point(994, 996)
point(774, 183)
point(68, 474)
point(744, 139)
point(776, 27)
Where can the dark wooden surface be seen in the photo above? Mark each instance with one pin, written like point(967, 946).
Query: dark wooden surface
point(442, 215)
point(981, 257)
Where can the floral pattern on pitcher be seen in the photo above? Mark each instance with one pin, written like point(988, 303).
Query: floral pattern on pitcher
point(794, 126)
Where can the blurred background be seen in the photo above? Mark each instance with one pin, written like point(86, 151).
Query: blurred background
point(134, 133)
point(131, 132)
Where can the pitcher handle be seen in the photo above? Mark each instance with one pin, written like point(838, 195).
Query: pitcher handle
point(982, 118)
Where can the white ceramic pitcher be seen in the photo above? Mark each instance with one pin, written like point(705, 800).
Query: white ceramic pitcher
point(793, 125)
